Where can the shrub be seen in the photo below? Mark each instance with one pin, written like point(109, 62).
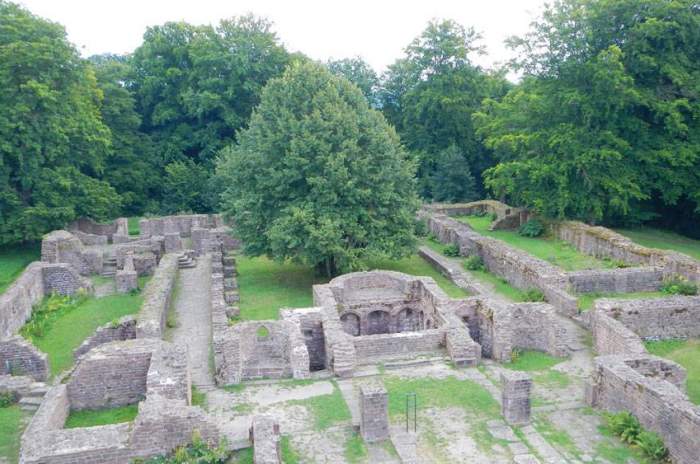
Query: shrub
point(451, 250)
point(652, 445)
point(678, 285)
point(198, 451)
point(533, 295)
point(420, 228)
point(474, 263)
point(7, 399)
point(493, 216)
point(532, 228)
point(624, 425)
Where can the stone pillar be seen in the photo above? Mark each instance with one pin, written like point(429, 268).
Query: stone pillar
point(126, 279)
point(515, 405)
point(374, 413)
point(265, 436)
point(173, 242)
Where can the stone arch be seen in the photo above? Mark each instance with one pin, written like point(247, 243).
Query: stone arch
point(351, 323)
point(408, 320)
point(378, 322)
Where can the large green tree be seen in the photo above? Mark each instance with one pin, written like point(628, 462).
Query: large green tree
point(53, 144)
point(197, 85)
point(360, 73)
point(430, 95)
point(318, 176)
point(607, 118)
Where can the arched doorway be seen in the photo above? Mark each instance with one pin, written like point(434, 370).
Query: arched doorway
point(378, 322)
point(351, 324)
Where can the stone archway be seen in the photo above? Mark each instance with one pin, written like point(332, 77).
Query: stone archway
point(351, 324)
point(409, 320)
point(378, 322)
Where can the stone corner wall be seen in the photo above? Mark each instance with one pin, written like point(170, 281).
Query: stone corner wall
point(123, 329)
point(60, 246)
point(20, 297)
point(20, 357)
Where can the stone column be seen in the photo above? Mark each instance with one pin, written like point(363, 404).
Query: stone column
point(515, 405)
point(374, 413)
point(126, 279)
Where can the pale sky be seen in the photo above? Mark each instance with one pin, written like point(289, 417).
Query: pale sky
point(376, 30)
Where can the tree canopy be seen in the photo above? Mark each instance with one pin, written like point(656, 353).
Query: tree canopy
point(318, 176)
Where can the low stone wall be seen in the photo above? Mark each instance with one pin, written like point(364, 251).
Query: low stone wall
point(625, 280)
point(156, 299)
point(640, 385)
point(181, 224)
point(123, 329)
point(374, 348)
point(88, 227)
point(507, 217)
point(656, 318)
point(19, 357)
point(61, 246)
point(612, 337)
point(604, 243)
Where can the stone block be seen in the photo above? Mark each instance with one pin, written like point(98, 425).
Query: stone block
point(173, 242)
point(515, 404)
point(374, 412)
point(126, 281)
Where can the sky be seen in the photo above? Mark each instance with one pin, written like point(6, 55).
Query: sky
point(377, 30)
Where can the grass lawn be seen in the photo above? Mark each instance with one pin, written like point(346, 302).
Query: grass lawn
point(13, 260)
point(328, 409)
point(95, 417)
point(557, 252)
point(662, 239)
point(133, 225)
point(68, 325)
point(586, 300)
point(687, 354)
point(10, 431)
point(532, 361)
point(265, 286)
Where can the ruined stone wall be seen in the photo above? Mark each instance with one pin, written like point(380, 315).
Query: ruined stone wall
point(533, 326)
point(625, 280)
point(123, 329)
point(63, 279)
point(156, 299)
point(90, 239)
point(19, 357)
point(669, 317)
point(182, 224)
point(265, 436)
point(658, 404)
point(612, 337)
point(86, 225)
point(373, 348)
point(309, 321)
point(507, 217)
point(604, 243)
point(61, 246)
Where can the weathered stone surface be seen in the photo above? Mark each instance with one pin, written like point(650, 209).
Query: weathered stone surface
point(123, 329)
point(507, 217)
point(61, 246)
point(515, 401)
point(625, 280)
point(126, 279)
point(264, 434)
point(374, 412)
point(19, 357)
point(156, 299)
point(173, 242)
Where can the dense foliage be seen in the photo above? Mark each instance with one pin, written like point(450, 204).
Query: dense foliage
point(605, 125)
point(318, 176)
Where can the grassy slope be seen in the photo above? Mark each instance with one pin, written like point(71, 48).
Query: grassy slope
point(265, 285)
point(13, 260)
point(687, 354)
point(95, 417)
point(10, 431)
point(665, 240)
point(586, 300)
point(557, 252)
point(69, 330)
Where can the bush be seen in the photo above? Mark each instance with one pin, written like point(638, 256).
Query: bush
point(493, 216)
point(532, 228)
point(678, 285)
point(533, 295)
point(7, 399)
point(198, 451)
point(451, 250)
point(624, 425)
point(420, 228)
point(652, 445)
point(474, 263)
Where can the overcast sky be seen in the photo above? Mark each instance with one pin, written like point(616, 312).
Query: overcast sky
point(376, 30)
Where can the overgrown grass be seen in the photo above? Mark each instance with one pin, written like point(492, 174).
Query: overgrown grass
point(10, 431)
point(687, 354)
point(355, 449)
point(664, 240)
point(440, 393)
point(265, 286)
point(13, 260)
point(587, 300)
point(242, 456)
point(559, 438)
point(553, 379)
point(95, 417)
point(532, 361)
point(289, 455)
point(199, 398)
point(65, 328)
point(557, 252)
point(328, 409)
point(134, 225)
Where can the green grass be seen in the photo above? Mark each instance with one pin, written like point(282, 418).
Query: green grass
point(587, 300)
point(67, 327)
point(687, 354)
point(13, 260)
point(552, 379)
point(557, 252)
point(242, 456)
point(557, 437)
point(133, 225)
point(616, 452)
point(95, 417)
point(265, 286)
point(355, 449)
point(440, 393)
point(10, 432)
point(664, 240)
point(328, 409)
point(199, 398)
point(532, 361)
point(289, 455)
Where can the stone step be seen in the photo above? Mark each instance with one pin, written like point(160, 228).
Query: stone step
point(38, 391)
point(30, 403)
point(109, 273)
point(404, 363)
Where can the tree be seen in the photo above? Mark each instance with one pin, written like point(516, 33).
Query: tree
point(318, 176)
point(606, 119)
point(360, 73)
point(453, 181)
point(431, 94)
point(196, 86)
point(53, 144)
point(131, 167)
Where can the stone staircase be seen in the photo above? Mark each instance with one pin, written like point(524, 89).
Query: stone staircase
point(109, 267)
point(31, 399)
point(187, 260)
